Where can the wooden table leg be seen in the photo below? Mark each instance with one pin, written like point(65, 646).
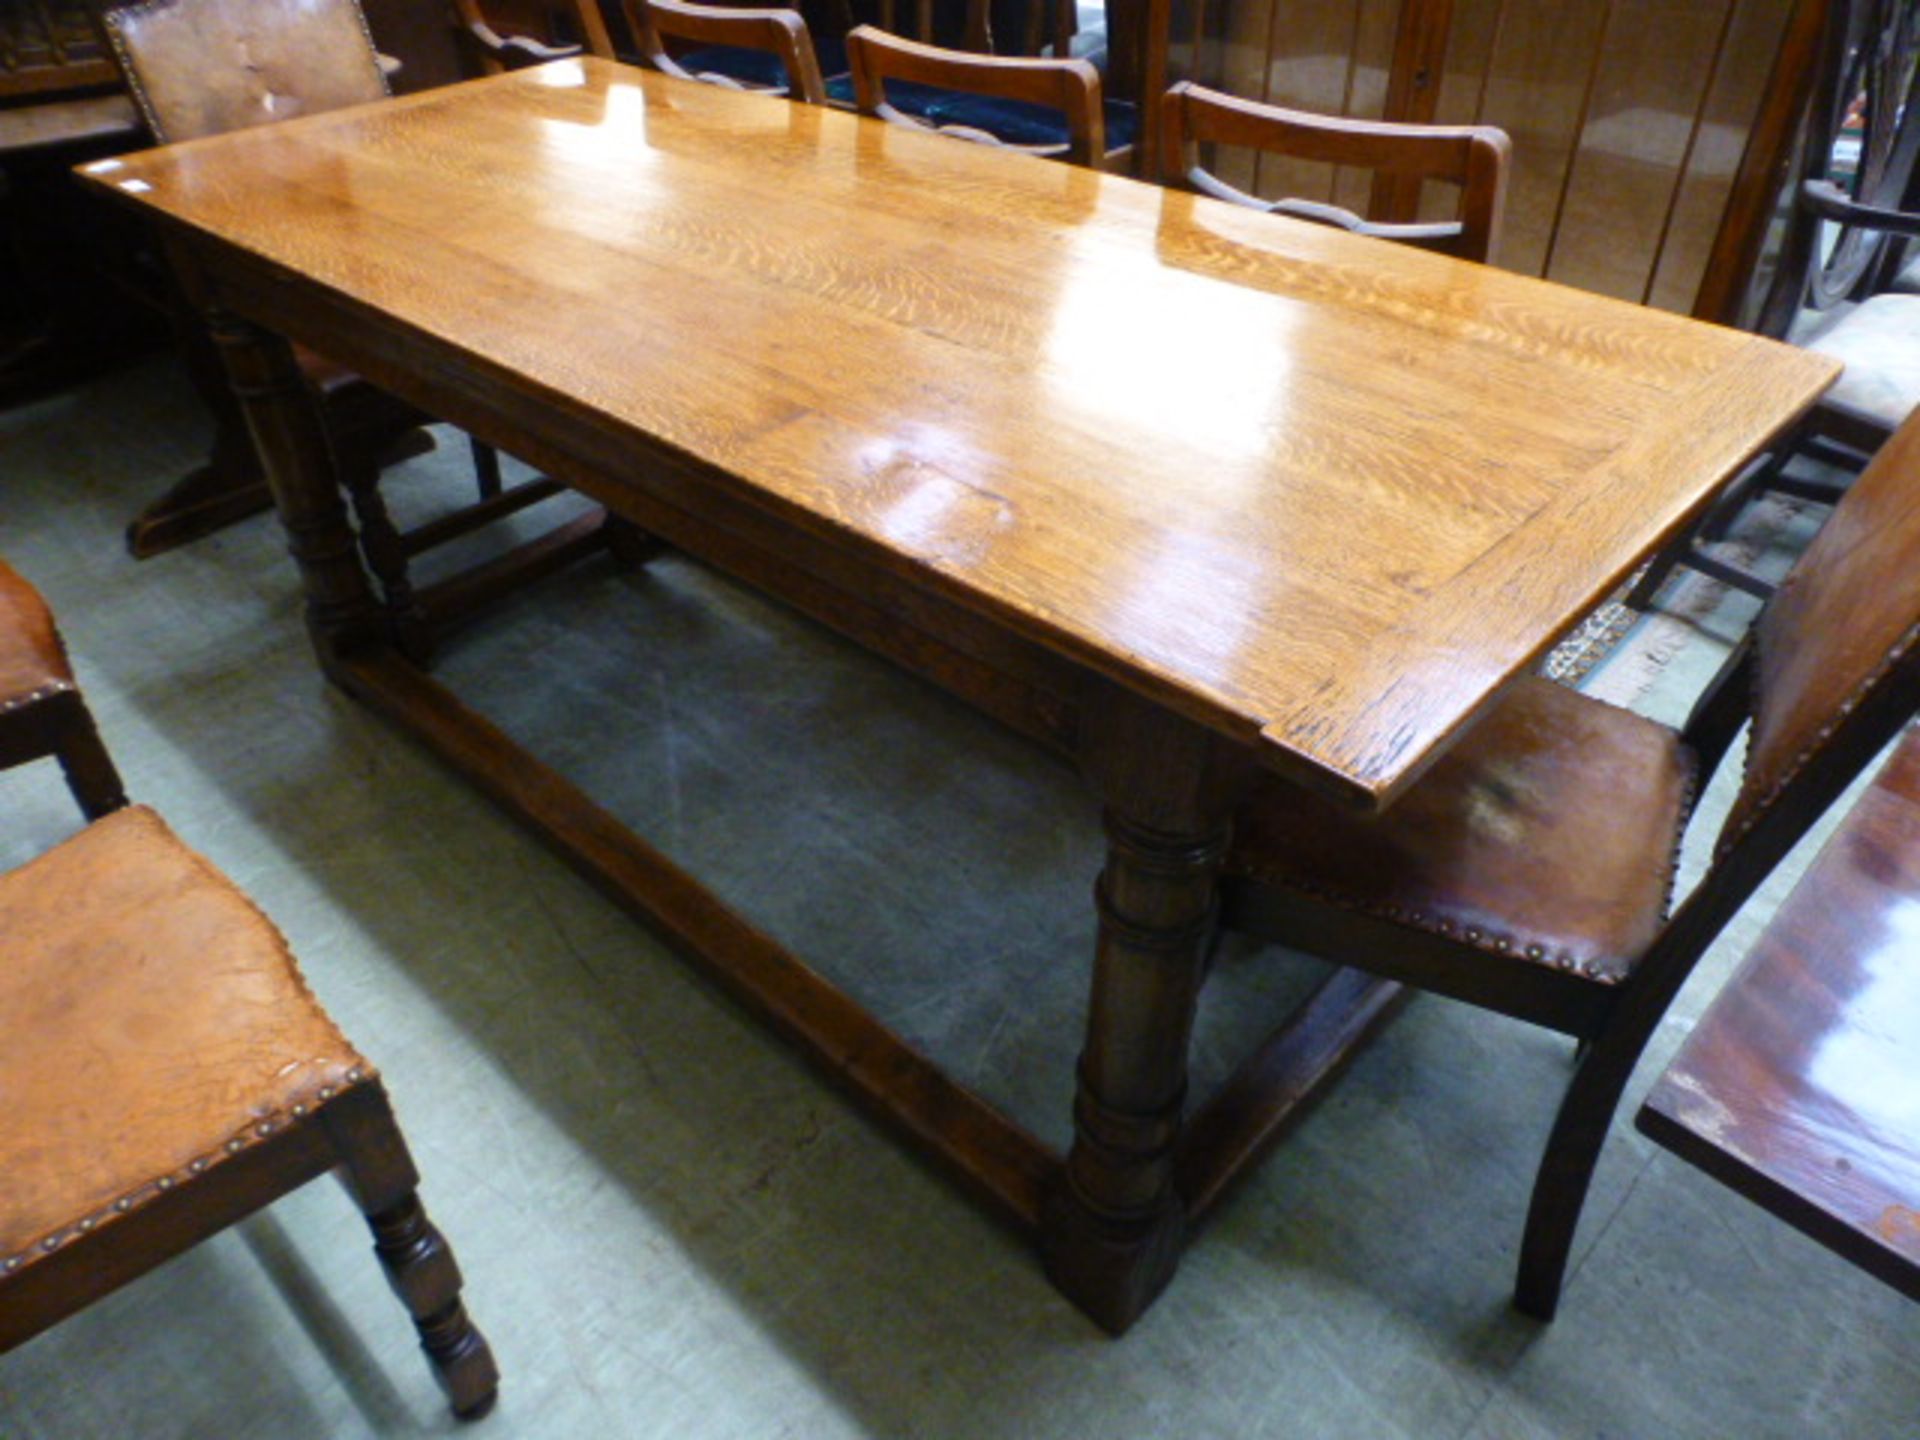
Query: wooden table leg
point(1114, 1224)
point(284, 417)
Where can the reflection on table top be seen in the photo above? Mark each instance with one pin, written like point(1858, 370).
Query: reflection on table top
point(1318, 492)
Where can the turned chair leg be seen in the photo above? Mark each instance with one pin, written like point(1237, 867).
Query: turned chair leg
point(386, 555)
point(90, 771)
point(416, 1257)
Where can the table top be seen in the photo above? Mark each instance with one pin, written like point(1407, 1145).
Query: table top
point(1323, 494)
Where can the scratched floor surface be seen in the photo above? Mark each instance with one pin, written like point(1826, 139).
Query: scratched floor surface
point(669, 1225)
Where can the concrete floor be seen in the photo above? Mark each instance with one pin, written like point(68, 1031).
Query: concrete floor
point(669, 1225)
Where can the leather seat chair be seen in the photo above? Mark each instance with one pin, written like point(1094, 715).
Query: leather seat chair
point(1531, 870)
point(41, 709)
point(206, 67)
point(168, 1072)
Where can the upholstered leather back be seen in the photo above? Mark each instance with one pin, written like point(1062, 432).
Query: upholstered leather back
point(203, 67)
point(1848, 611)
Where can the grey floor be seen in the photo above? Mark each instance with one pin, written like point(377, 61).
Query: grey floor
point(669, 1225)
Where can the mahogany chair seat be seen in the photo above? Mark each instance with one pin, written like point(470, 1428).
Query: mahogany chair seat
point(1546, 840)
point(168, 1072)
point(42, 712)
point(1529, 871)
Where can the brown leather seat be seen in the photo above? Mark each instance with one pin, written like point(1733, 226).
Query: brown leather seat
point(1529, 871)
point(41, 710)
point(156, 1025)
point(166, 1071)
point(1547, 837)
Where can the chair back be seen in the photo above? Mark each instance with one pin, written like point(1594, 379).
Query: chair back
point(504, 28)
point(203, 67)
point(1835, 665)
point(1475, 158)
point(662, 27)
point(1071, 87)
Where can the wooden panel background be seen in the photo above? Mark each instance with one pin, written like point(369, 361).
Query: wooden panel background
point(1628, 117)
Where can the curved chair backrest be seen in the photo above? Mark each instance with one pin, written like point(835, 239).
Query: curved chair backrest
point(1476, 158)
point(779, 32)
point(1069, 86)
point(512, 34)
point(1838, 637)
point(203, 67)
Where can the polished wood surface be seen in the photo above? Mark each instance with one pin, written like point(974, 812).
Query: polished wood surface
point(1175, 488)
point(1323, 496)
point(1797, 1086)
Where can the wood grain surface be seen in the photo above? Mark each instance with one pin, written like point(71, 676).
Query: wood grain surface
point(1800, 1086)
point(1319, 493)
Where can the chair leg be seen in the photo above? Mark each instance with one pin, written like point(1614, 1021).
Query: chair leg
point(418, 1261)
point(1566, 1168)
point(1640, 598)
point(486, 468)
point(90, 771)
point(386, 555)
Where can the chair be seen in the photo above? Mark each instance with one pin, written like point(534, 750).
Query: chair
point(167, 1073)
point(41, 709)
point(1834, 284)
point(1474, 158)
point(1530, 870)
point(982, 93)
point(297, 57)
point(514, 34)
point(769, 51)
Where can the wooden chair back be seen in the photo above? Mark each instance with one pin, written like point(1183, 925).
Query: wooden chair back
point(1476, 158)
point(661, 27)
point(1024, 28)
point(512, 33)
point(1069, 86)
point(1828, 677)
point(293, 57)
point(1840, 630)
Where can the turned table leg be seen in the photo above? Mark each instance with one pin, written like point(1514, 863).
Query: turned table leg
point(290, 436)
point(1113, 1228)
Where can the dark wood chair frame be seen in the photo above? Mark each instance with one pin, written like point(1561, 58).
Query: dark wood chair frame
point(1476, 158)
point(1070, 86)
point(1613, 1020)
point(777, 31)
point(57, 723)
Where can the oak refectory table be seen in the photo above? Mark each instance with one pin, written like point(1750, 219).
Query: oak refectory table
point(1179, 489)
